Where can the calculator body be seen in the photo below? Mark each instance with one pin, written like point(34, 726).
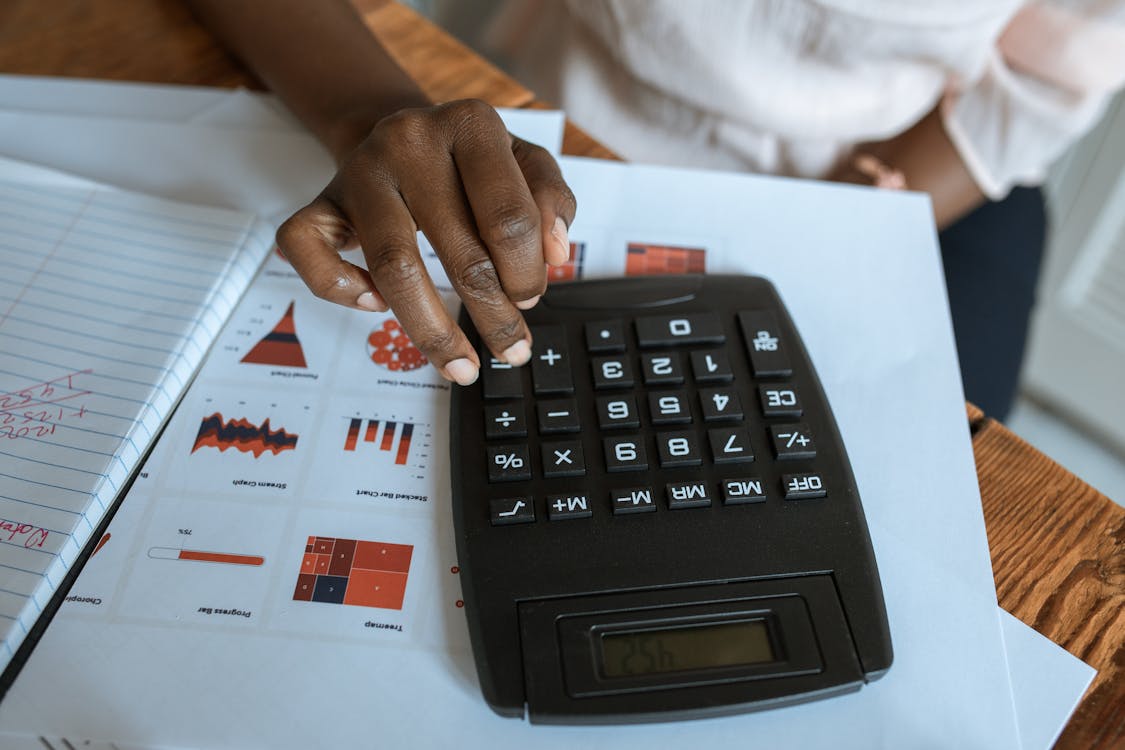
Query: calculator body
point(656, 518)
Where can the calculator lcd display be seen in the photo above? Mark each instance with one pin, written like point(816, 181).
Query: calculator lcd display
point(640, 652)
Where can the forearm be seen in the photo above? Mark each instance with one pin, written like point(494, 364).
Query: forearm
point(320, 59)
point(930, 163)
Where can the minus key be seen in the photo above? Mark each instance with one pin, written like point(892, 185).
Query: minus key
point(558, 415)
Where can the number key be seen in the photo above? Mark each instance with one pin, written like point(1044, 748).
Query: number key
point(711, 366)
point(612, 372)
point(678, 449)
point(668, 408)
point(672, 330)
point(625, 453)
point(730, 445)
point(662, 369)
point(617, 411)
point(720, 404)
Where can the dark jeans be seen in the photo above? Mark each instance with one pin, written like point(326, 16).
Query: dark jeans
point(991, 260)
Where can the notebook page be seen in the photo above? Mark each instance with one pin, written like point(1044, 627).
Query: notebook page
point(108, 302)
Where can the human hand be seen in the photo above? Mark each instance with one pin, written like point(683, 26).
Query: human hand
point(863, 168)
point(494, 207)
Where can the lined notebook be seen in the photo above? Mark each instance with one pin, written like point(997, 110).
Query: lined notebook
point(109, 301)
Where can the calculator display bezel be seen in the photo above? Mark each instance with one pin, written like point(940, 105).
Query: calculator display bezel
point(786, 619)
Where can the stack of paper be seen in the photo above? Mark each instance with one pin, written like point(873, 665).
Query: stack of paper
point(196, 606)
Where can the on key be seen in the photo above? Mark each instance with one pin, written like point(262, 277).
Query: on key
point(764, 343)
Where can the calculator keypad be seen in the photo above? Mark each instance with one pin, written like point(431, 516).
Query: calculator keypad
point(665, 404)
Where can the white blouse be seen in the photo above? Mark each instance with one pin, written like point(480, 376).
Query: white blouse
point(790, 86)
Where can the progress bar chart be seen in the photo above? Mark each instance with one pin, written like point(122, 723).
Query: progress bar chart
point(193, 555)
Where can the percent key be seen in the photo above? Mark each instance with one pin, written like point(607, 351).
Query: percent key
point(508, 463)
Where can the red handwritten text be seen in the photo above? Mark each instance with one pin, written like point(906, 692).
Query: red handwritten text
point(36, 410)
point(29, 535)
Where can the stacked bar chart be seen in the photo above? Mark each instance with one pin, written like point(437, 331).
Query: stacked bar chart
point(370, 429)
point(354, 572)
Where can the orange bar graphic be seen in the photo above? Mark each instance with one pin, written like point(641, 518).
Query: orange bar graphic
point(404, 443)
point(171, 553)
point(372, 429)
point(353, 434)
point(388, 436)
point(101, 543)
point(221, 557)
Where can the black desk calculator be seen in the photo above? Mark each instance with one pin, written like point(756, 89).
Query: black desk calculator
point(656, 518)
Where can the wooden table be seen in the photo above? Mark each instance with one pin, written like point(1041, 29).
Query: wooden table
point(1058, 546)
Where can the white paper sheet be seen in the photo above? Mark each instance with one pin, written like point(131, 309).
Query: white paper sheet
point(1043, 705)
point(202, 180)
point(115, 99)
point(269, 172)
point(237, 108)
point(896, 397)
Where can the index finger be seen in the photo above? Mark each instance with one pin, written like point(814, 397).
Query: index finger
point(311, 240)
point(505, 212)
point(390, 245)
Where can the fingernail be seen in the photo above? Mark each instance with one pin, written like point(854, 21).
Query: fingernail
point(527, 304)
point(463, 371)
point(517, 354)
point(561, 253)
point(371, 301)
